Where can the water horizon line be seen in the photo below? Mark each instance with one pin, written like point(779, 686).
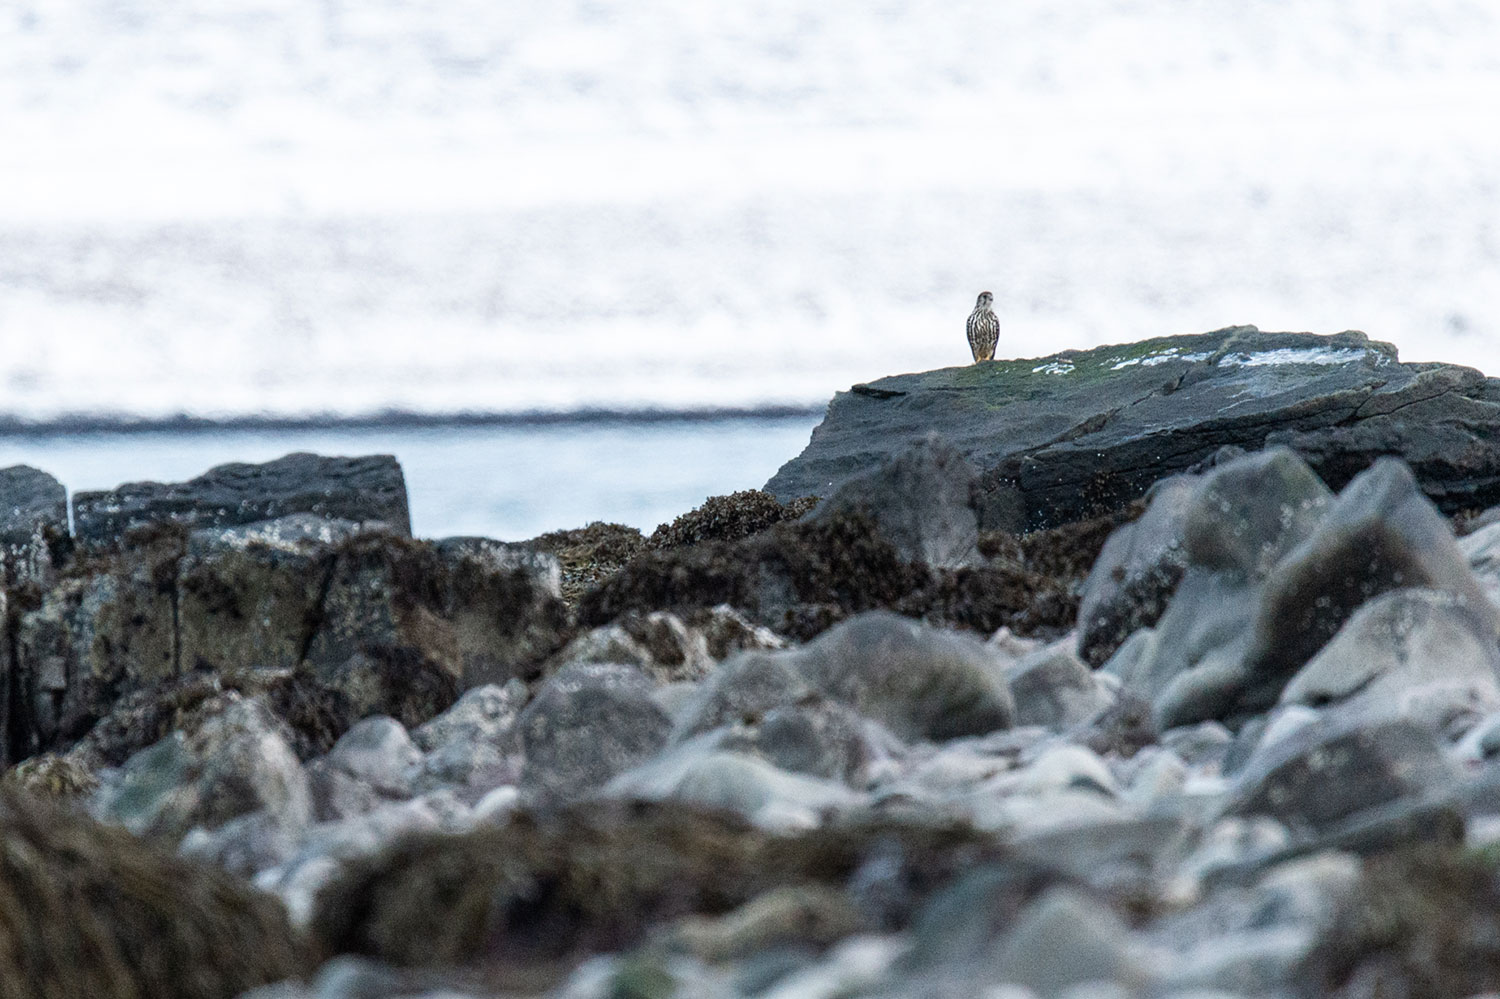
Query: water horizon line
point(12, 425)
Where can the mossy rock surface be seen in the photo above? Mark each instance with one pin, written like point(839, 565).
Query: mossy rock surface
point(1085, 431)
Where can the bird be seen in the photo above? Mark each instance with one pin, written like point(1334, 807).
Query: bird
point(983, 328)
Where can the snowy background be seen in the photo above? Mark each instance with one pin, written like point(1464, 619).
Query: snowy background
point(315, 206)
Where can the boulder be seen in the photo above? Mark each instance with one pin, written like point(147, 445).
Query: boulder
point(369, 488)
point(249, 596)
point(237, 762)
point(1053, 687)
point(1136, 572)
point(480, 611)
point(1086, 429)
point(920, 500)
point(1399, 645)
point(95, 638)
point(1324, 775)
point(918, 681)
point(1275, 568)
point(33, 526)
point(815, 736)
point(586, 724)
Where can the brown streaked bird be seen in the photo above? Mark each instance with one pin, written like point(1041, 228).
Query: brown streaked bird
point(984, 328)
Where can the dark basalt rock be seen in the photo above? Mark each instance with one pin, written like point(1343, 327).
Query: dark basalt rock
point(1080, 431)
point(33, 525)
point(367, 488)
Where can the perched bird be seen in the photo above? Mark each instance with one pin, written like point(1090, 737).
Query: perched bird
point(984, 328)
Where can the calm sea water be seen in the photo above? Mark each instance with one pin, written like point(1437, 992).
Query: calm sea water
point(227, 207)
point(507, 482)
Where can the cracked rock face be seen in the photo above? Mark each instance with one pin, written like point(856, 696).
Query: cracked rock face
point(1084, 430)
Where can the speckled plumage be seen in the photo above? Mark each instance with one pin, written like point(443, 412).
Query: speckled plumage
point(983, 329)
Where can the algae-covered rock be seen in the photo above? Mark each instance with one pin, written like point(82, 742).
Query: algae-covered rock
point(596, 878)
point(479, 612)
point(1089, 429)
point(800, 578)
point(589, 554)
point(98, 635)
point(728, 518)
point(250, 596)
point(87, 910)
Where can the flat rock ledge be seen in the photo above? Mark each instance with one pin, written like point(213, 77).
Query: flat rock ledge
point(1056, 438)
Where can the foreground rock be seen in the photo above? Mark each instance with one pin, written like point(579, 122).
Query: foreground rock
point(1059, 437)
point(369, 488)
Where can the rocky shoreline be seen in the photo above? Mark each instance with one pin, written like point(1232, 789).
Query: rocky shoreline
point(1167, 669)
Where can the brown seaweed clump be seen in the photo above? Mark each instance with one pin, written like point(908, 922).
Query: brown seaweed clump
point(590, 554)
point(729, 518)
point(89, 910)
point(550, 888)
point(800, 578)
point(1422, 922)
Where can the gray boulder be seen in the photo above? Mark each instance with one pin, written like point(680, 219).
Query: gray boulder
point(1327, 773)
point(1065, 940)
point(744, 688)
point(587, 724)
point(918, 681)
point(368, 488)
point(1136, 572)
point(237, 762)
point(815, 736)
point(1399, 645)
point(1083, 429)
point(1231, 639)
point(920, 500)
point(1053, 687)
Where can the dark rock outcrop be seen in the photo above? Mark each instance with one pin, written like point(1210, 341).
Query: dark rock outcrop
point(1080, 431)
point(362, 489)
point(33, 525)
